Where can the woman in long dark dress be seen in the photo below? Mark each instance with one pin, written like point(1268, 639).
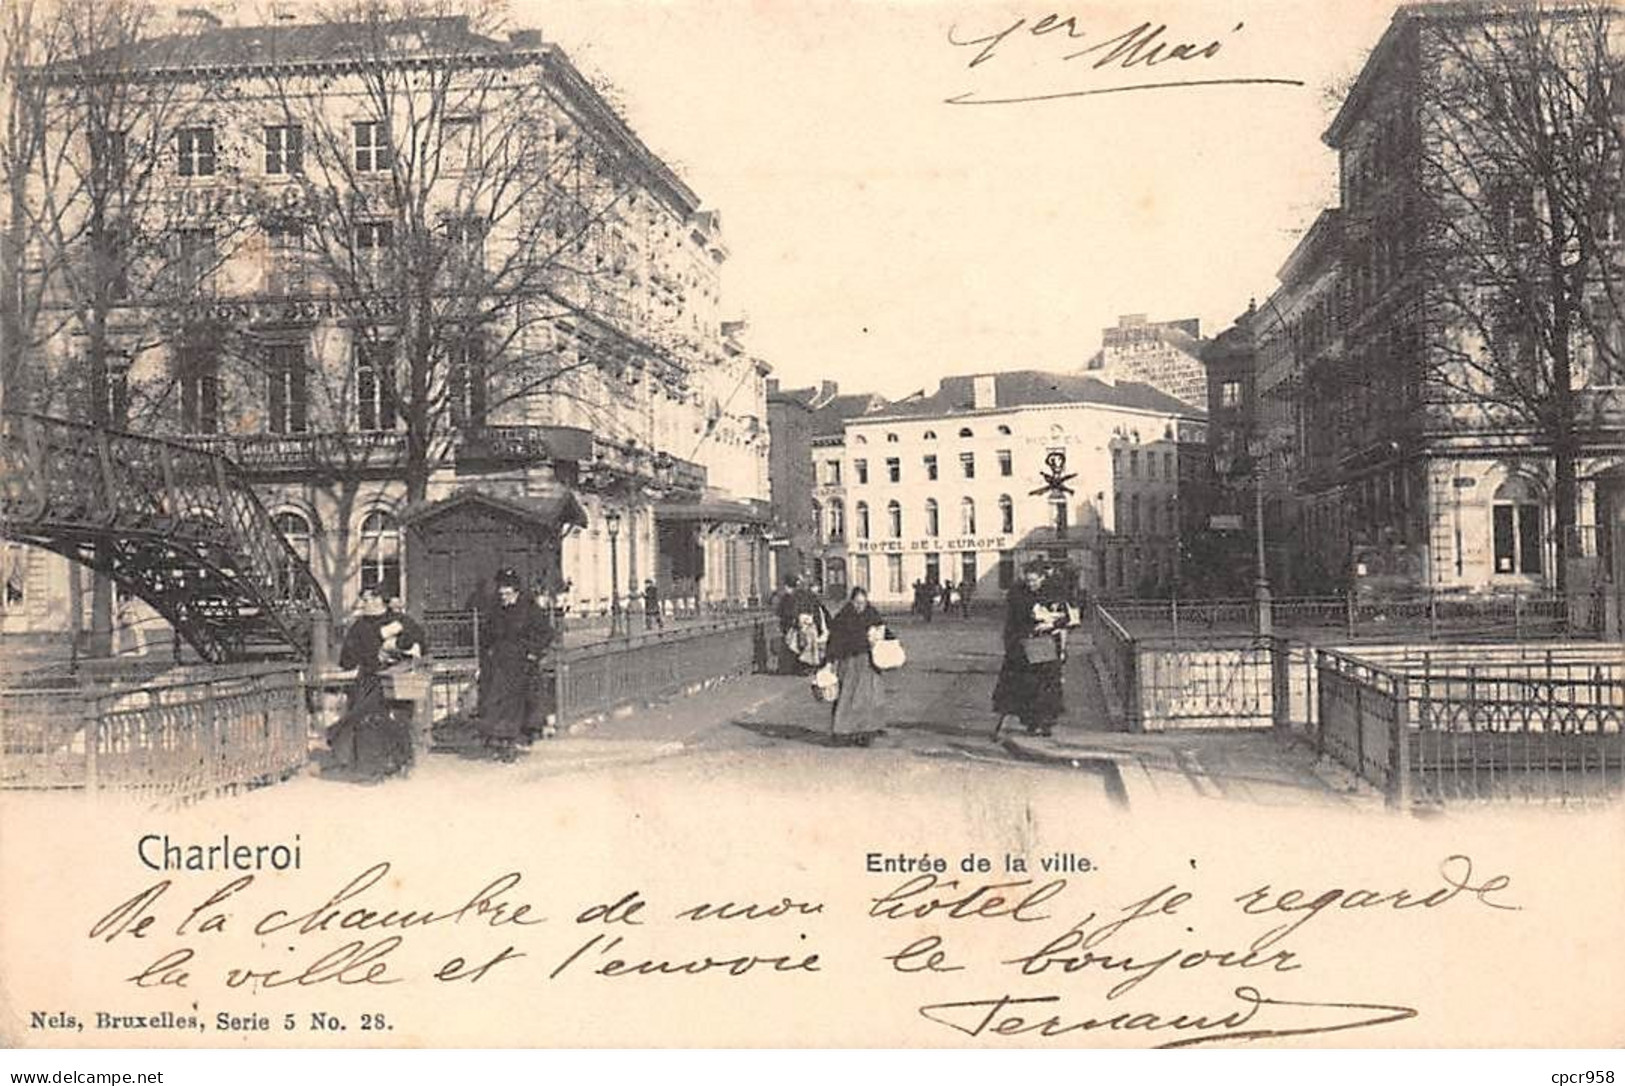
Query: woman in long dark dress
point(860, 705)
point(1028, 690)
point(370, 740)
point(514, 634)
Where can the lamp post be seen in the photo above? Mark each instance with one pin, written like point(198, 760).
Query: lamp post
point(612, 521)
point(1263, 619)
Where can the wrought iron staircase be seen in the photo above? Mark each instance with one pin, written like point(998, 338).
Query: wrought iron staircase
point(175, 525)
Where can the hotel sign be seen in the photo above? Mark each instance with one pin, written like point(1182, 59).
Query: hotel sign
point(922, 546)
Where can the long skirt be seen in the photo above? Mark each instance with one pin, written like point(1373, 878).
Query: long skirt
point(861, 705)
point(506, 698)
point(1029, 691)
point(371, 740)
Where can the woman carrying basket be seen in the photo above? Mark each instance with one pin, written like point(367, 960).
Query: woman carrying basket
point(1029, 685)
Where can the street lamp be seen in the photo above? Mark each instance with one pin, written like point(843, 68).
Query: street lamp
point(612, 521)
point(1263, 618)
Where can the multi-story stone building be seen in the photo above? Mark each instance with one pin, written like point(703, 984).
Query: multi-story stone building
point(428, 289)
point(1167, 355)
point(1394, 387)
point(966, 483)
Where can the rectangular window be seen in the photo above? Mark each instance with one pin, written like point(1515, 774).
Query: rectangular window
point(894, 469)
point(1006, 465)
point(894, 574)
point(1230, 394)
point(465, 383)
point(115, 391)
point(372, 244)
point(967, 464)
point(1007, 569)
point(374, 386)
point(285, 258)
point(832, 473)
point(967, 568)
point(284, 149)
point(1134, 463)
point(1150, 465)
point(285, 364)
point(199, 375)
point(860, 572)
point(931, 468)
point(458, 143)
point(195, 260)
point(195, 150)
point(466, 244)
point(372, 152)
point(933, 568)
point(862, 469)
point(108, 155)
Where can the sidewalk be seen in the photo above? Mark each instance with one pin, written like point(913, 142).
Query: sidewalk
point(1255, 765)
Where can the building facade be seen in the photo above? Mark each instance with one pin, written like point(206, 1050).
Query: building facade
point(1395, 389)
point(992, 470)
point(1167, 355)
point(383, 277)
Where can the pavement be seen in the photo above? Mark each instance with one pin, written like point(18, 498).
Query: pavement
point(940, 720)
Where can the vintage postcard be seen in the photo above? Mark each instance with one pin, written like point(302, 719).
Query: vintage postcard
point(896, 524)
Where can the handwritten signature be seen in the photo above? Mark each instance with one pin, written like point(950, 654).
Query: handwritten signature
point(995, 1017)
point(1142, 48)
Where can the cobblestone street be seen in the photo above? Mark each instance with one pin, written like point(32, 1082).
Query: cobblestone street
point(940, 735)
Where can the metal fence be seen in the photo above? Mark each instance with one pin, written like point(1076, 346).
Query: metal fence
point(184, 734)
point(1543, 728)
point(579, 682)
point(1510, 616)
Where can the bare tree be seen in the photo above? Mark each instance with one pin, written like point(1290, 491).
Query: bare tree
point(1519, 228)
point(464, 221)
point(102, 253)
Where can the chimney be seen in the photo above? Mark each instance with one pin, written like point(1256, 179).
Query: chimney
point(525, 39)
point(985, 391)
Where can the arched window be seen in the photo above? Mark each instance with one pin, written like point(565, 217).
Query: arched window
point(965, 431)
point(894, 520)
point(891, 439)
point(1007, 514)
point(819, 533)
point(933, 522)
point(930, 435)
point(1516, 522)
point(289, 575)
point(1004, 431)
point(380, 554)
point(860, 440)
point(837, 519)
point(863, 520)
point(967, 516)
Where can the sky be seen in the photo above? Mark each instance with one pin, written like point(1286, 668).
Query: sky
point(882, 237)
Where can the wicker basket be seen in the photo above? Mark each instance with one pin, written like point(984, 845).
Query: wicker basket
point(405, 682)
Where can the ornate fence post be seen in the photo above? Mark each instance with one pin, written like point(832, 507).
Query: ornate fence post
point(1399, 753)
point(1281, 682)
point(91, 716)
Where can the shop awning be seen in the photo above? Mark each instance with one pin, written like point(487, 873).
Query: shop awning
point(548, 510)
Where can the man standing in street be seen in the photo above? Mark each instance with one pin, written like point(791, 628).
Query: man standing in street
point(652, 615)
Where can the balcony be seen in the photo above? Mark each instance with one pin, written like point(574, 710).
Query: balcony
point(614, 463)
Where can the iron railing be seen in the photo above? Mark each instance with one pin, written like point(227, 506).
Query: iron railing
point(185, 734)
point(1515, 616)
point(1540, 728)
point(581, 682)
point(174, 525)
